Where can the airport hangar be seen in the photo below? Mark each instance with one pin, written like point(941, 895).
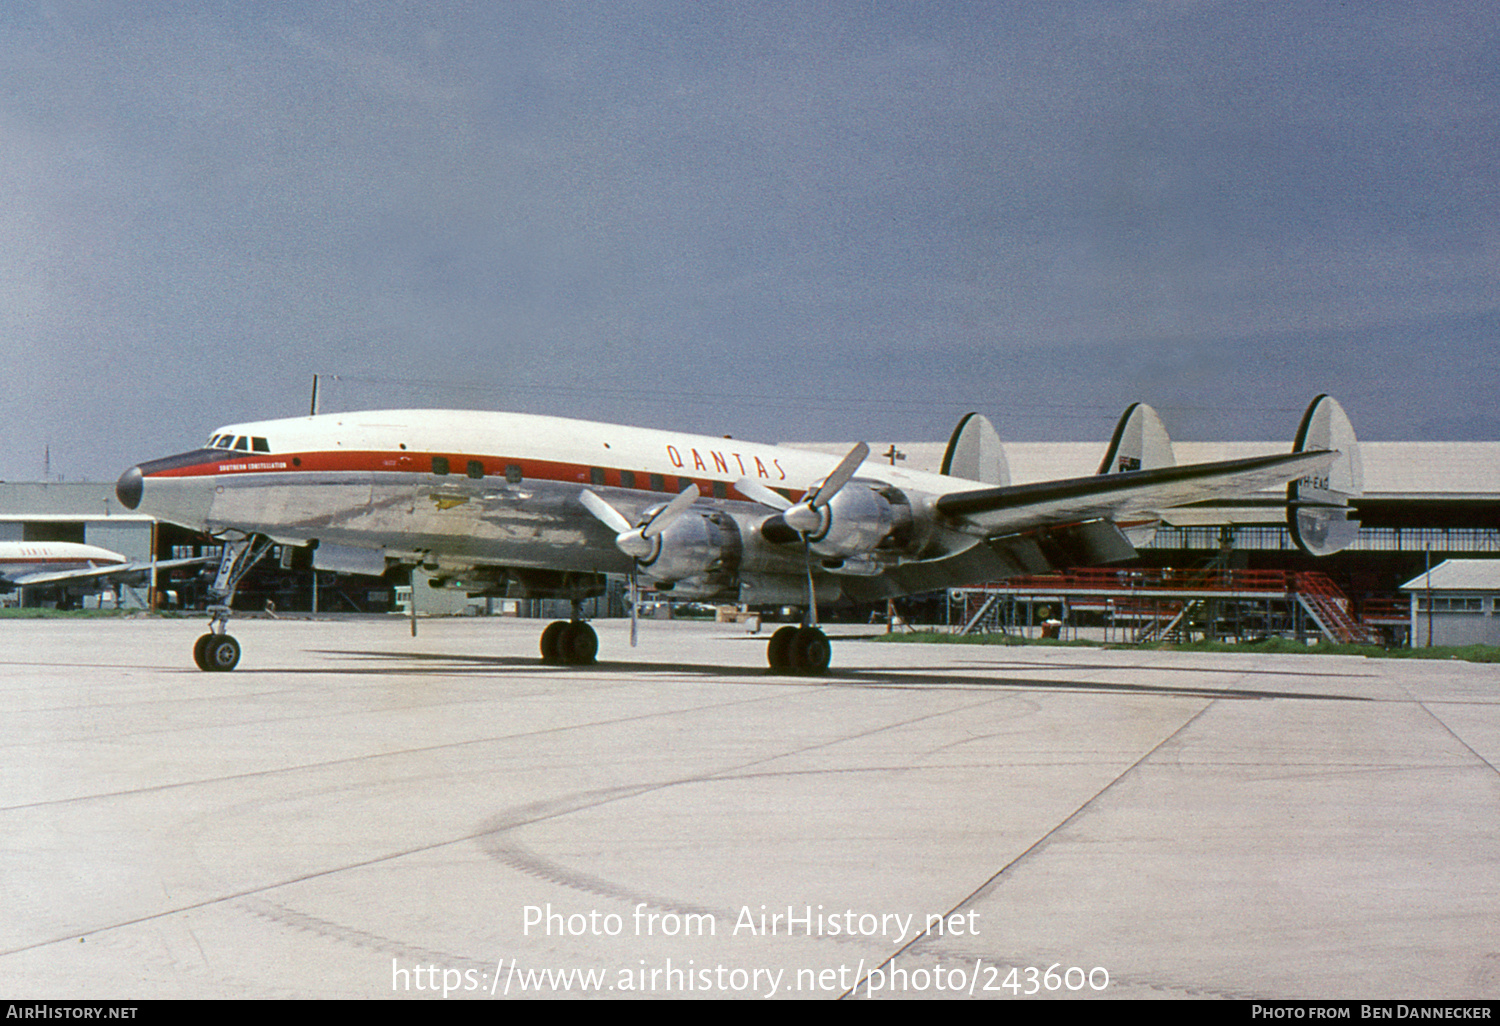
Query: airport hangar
point(1423, 503)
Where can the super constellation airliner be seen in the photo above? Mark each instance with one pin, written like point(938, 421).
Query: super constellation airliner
point(507, 504)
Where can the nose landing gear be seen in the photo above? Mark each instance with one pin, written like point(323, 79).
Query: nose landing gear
point(217, 651)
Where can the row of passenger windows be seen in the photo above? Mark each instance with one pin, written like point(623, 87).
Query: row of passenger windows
point(240, 443)
point(657, 482)
point(442, 466)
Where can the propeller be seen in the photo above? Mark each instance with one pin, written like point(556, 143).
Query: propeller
point(637, 541)
point(809, 515)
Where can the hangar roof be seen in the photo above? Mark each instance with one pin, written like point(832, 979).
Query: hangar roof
point(1459, 575)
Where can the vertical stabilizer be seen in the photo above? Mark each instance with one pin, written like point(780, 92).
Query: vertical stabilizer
point(1317, 508)
point(975, 453)
point(1140, 442)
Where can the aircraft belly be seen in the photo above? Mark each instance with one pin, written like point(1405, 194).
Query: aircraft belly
point(484, 522)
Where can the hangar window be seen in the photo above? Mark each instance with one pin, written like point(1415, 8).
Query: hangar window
point(1453, 605)
point(440, 465)
point(474, 469)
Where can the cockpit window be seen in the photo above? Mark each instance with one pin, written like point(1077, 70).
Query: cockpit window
point(242, 443)
point(260, 445)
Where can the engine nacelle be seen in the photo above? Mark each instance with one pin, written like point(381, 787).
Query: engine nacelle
point(701, 546)
point(860, 519)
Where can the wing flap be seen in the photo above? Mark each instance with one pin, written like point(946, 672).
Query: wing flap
point(991, 511)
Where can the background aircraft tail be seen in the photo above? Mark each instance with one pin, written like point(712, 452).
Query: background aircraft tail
point(1317, 508)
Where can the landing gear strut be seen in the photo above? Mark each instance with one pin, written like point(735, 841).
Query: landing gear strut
point(804, 651)
point(216, 651)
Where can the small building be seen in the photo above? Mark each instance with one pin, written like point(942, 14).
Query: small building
point(1457, 602)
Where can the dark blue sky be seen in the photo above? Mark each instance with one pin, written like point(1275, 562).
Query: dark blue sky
point(778, 221)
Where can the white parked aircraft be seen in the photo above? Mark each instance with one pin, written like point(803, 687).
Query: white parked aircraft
point(71, 567)
point(542, 507)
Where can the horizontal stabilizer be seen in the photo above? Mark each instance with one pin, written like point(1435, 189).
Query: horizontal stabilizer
point(975, 454)
point(1318, 504)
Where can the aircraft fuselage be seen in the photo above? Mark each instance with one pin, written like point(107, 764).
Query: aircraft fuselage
point(457, 491)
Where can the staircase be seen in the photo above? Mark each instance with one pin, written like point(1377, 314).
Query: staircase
point(987, 619)
point(1329, 609)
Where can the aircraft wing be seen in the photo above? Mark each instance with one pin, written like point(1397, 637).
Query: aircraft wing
point(116, 571)
point(988, 512)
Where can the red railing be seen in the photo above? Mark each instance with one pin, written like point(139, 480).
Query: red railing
point(1317, 591)
point(1096, 579)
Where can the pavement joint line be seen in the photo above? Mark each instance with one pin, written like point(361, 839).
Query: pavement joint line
point(1035, 846)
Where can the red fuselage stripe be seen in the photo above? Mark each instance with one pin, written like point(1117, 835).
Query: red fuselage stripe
point(370, 462)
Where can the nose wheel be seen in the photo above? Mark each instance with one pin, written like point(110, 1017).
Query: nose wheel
point(804, 651)
point(216, 652)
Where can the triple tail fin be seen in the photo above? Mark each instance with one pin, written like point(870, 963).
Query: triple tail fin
point(1317, 508)
point(1140, 442)
point(975, 454)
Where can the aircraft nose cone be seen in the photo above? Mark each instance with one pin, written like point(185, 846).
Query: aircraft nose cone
point(129, 488)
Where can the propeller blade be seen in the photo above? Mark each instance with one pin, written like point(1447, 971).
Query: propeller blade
point(811, 619)
point(753, 489)
point(611, 517)
point(840, 476)
point(674, 509)
point(635, 600)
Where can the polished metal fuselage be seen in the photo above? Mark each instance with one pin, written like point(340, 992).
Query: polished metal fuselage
point(456, 490)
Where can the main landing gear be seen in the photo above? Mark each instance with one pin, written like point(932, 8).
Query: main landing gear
point(804, 651)
point(569, 643)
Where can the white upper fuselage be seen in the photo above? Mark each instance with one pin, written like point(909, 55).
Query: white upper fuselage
point(559, 449)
